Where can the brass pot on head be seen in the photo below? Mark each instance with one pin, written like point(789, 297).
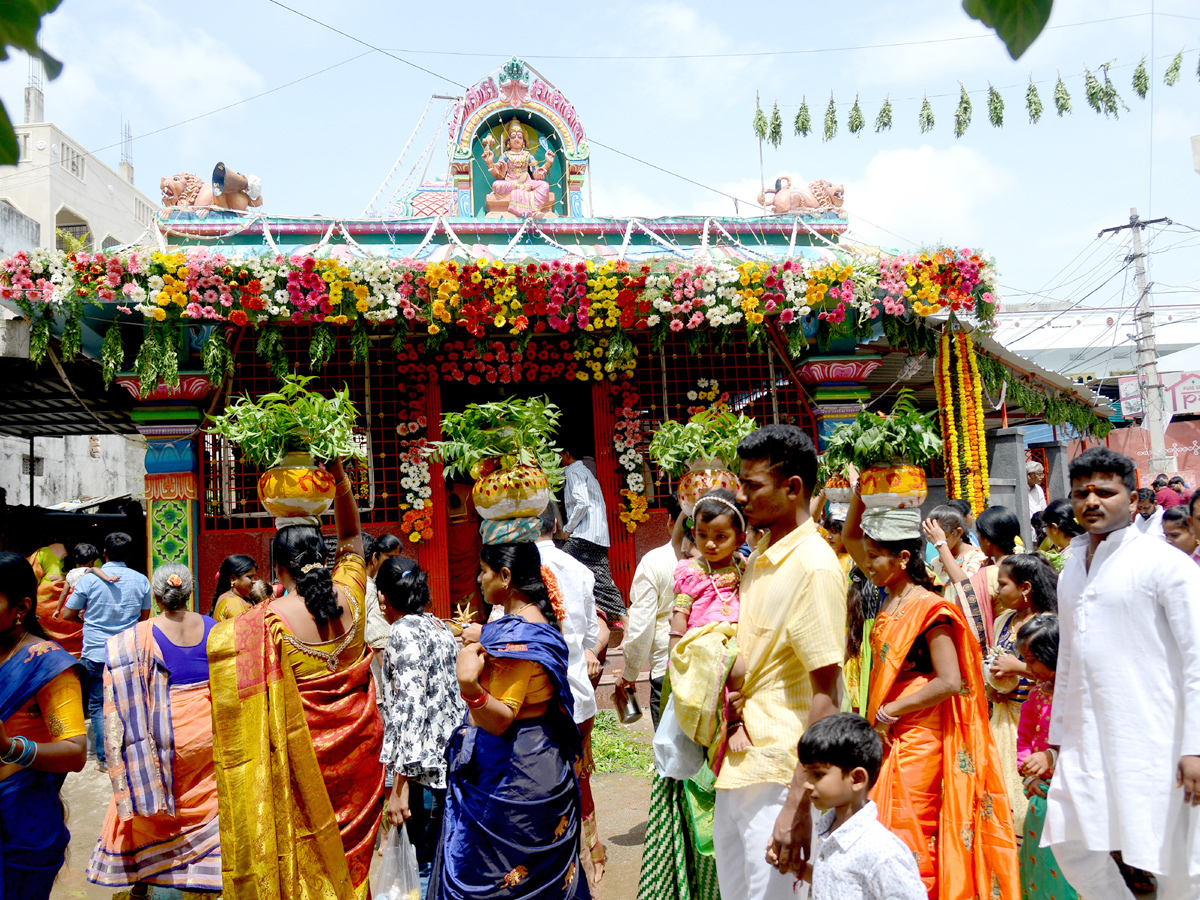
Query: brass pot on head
point(226, 180)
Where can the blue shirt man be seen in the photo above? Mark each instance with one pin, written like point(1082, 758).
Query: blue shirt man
point(111, 607)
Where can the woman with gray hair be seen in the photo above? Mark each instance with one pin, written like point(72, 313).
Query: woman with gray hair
point(161, 828)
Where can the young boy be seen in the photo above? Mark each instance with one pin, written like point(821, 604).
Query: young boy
point(855, 857)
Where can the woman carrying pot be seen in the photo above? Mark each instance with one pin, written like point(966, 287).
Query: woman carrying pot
point(297, 733)
point(512, 762)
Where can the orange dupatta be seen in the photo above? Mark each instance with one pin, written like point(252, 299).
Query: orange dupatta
point(281, 837)
point(963, 836)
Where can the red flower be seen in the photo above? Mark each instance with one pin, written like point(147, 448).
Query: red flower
point(237, 317)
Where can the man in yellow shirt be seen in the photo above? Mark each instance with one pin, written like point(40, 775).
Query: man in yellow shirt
point(792, 637)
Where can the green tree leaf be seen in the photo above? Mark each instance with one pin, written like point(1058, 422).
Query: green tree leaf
point(20, 21)
point(1017, 22)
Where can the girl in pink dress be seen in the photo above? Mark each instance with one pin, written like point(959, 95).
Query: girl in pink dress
point(1037, 642)
point(706, 587)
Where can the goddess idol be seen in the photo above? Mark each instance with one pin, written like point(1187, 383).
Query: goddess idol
point(518, 176)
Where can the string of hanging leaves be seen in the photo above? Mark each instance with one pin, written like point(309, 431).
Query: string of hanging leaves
point(1099, 91)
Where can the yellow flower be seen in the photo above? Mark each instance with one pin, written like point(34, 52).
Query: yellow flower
point(433, 329)
point(360, 292)
point(160, 314)
point(361, 306)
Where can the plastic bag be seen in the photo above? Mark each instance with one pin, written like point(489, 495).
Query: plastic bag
point(675, 754)
point(397, 877)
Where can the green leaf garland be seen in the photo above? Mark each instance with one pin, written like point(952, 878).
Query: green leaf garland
point(1062, 99)
point(803, 123)
point(760, 124)
point(831, 124)
point(112, 355)
point(883, 121)
point(216, 356)
point(1033, 102)
point(1093, 90)
point(72, 334)
point(321, 346)
point(995, 107)
point(270, 350)
point(775, 131)
point(158, 359)
point(1171, 76)
point(1109, 97)
point(962, 115)
point(855, 123)
point(1141, 80)
point(360, 342)
point(925, 116)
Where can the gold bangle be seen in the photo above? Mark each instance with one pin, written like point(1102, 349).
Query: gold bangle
point(344, 488)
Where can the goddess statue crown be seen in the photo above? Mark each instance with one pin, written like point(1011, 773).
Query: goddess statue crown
point(514, 126)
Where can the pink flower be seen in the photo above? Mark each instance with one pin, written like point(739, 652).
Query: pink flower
point(676, 325)
point(297, 318)
point(124, 309)
point(787, 315)
point(127, 290)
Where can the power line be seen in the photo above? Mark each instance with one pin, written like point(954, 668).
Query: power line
point(753, 54)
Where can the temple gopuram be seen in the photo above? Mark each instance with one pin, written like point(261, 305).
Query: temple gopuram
point(490, 281)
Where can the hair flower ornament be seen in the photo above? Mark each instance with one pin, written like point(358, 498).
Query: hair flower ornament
point(175, 581)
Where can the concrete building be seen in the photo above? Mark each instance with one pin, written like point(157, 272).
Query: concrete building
point(58, 185)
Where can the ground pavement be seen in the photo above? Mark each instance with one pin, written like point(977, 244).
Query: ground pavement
point(622, 802)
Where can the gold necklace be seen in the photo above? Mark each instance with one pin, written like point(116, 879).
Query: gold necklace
point(519, 608)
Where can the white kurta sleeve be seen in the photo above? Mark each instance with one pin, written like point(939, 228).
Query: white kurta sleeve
point(1179, 597)
point(589, 591)
point(643, 616)
point(1066, 639)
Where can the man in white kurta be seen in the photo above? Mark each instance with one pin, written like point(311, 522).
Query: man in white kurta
point(1126, 713)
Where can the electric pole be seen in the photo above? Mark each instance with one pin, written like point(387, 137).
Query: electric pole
point(1147, 366)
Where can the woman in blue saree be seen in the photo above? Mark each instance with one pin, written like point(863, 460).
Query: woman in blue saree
point(512, 820)
point(41, 738)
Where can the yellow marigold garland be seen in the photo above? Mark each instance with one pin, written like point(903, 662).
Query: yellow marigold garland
point(977, 386)
point(945, 391)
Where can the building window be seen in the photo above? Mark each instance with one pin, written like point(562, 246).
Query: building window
point(72, 160)
point(39, 464)
point(143, 212)
point(22, 147)
point(94, 446)
point(109, 241)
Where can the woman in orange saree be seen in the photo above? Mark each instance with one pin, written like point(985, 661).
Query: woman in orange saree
point(297, 734)
point(941, 788)
point(48, 568)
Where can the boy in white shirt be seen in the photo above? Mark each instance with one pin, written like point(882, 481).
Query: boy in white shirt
point(855, 857)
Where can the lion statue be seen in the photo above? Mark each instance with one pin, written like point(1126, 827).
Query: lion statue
point(785, 199)
point(188, 190)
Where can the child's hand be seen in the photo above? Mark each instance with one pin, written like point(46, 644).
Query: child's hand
point(1035, 787)
point(739, 739)
point(104, 576)
point(1036, 765)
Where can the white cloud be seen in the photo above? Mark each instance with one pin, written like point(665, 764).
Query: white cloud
point(926, 195)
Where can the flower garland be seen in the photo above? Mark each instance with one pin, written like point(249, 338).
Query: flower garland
point(980, 499)
point(490, 298)
point(960, 401)
point(708, 390)
point(416, 520)
point(627, 435)
point(497, 361)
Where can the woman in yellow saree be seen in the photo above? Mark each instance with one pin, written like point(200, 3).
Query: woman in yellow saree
point(941, 789)
point(297, 734)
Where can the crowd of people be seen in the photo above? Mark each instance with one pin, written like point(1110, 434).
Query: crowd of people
point(869, 702)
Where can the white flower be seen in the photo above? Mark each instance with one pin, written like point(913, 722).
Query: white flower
point(692, 395)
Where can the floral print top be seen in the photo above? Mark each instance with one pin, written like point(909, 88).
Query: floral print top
point(421, 704)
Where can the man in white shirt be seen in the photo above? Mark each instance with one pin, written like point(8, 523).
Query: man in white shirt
point(651, 599)
point(1034, 473)
point(1149, 514)
point(580, 629)
point(587, 540)
point(1126, 716)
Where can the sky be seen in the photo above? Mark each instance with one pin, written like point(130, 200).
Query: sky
point(321, 117)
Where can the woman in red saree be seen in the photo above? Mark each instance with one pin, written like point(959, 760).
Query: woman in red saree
point(297, 734)
point(941, 788)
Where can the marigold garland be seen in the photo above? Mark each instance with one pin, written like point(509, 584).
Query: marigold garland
point(977, 382)
point(960, 388)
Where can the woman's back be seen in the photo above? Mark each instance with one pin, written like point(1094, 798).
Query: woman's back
point(310, 649)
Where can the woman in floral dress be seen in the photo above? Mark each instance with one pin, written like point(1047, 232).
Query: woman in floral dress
point(421, 704)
